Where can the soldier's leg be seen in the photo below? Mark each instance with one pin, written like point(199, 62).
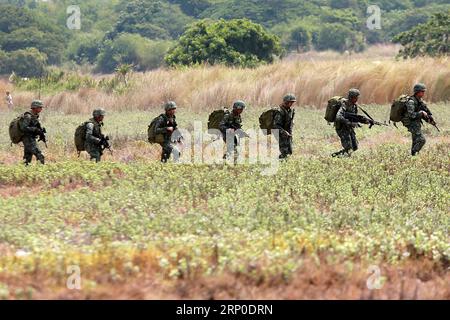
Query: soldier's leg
point(95, 154)
point(284, 147)
point(418, 139)
point(346, 142)
point(166, 151)
point(27, 150)
point(354, 141)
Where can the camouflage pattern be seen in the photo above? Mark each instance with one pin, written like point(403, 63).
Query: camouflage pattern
point(30, 127)
point(168, 147)
point(413, 121)
point(290, 98)
point(231, 121)
point(345, 128)
point(239, 105)
point(93, 139)
point(420, 87)
point(170, 106)
point(284, 121)
point(98, 113)
point(353, 93)
point(37, 104)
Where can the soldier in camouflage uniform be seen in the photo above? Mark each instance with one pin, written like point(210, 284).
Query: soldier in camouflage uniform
point(284, 122)
point(344, 127)
point(95, 140)
point(231, 126)
point(166, 124)
point(31, 128)
point(413, 118)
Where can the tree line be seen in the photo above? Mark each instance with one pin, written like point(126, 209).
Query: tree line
point(150, 33)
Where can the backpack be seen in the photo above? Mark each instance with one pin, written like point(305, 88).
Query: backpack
point(215, 118)
point(152, 136)
point(333, 107)
point(398, 108)
point(15, 134)
point(266, 120)
point(80, 137)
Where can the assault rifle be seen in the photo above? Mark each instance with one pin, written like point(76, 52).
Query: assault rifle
point(429, 119)
point(353, 117)
point(105, 144)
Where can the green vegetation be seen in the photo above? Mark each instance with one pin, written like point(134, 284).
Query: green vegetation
point(429, 39)
point(129, 215)
point(236, 42)
point(144, 30)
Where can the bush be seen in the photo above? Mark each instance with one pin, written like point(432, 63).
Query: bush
point(238, 42)
point(430, 38)
point(143, 54)
point(28, 62)
point(340, 38)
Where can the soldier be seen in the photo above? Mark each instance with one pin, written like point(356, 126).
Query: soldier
point(166, 125)
point(344, 127)
point(9, 101)
point(96, 142)
point(283, 121)
point(415, 112)
point(231, 125)
point(31, 128)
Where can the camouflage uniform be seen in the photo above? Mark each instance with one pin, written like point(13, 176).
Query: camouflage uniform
point(30, 126)
point(94, 137)
point(413, 121)
point(345, 128)
point(284, 122)
point(232, 121)
point(168, 147)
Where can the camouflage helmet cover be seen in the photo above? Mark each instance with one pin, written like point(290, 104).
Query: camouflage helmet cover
point(420, 87)
point(290, 98)
point(170, 105)
point(239, 104)
point(37, 104)
point(99, 112)
point(354, 93)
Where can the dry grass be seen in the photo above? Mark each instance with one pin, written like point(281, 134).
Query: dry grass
point(312, 79)
point(313, 280)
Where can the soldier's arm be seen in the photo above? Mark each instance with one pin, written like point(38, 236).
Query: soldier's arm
point(340, 116)
point(410, 110)
point(224, 124)
point(25, 125)
point(89, 134)
point(160, 126)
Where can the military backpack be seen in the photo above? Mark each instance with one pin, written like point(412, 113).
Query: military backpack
point(80, 137)
point(333, 107)
point(266, 120)
point(152, 136)
point(15, 133)
point(215, 118)
point(398, 108)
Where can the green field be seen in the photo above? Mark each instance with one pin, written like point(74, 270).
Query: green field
point(139, 229)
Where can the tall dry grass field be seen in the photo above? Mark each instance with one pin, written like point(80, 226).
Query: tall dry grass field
point(313, 81)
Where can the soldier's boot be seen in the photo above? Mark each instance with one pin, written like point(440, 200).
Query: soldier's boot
point(41, 158)
point(27, 159)
point(165, 157)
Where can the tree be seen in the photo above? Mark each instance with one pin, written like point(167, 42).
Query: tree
point(300, 38)
point(28, 62)
point(151, 19)
point(132, 49)
point(238, 42)
point(340, 38)
point(431, 38)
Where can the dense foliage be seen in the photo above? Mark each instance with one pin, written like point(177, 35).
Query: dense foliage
point(431, 38)
point(301, 25)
